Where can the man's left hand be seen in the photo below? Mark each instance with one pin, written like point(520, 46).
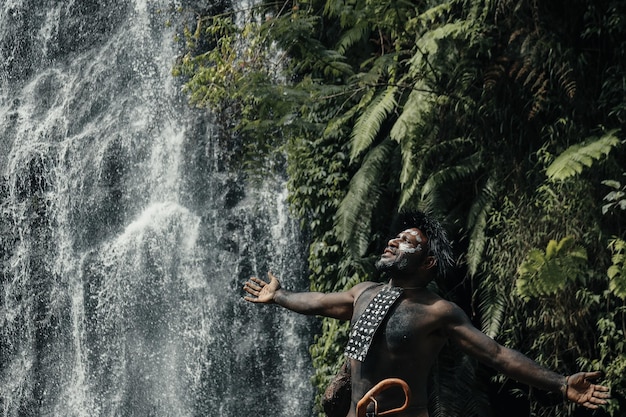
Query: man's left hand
point(581, 391)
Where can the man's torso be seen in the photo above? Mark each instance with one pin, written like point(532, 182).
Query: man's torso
point(405, 346)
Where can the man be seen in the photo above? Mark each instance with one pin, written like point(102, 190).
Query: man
point(399, 328)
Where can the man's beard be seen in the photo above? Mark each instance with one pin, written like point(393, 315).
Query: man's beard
point(391, 265)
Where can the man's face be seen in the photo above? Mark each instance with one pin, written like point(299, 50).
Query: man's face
point(405, 251)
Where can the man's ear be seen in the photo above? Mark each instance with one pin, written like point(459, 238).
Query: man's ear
point(429, 262)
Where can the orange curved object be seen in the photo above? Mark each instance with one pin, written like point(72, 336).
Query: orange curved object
point(361, 407)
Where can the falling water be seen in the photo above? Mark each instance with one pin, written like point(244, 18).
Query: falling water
point(124, 240)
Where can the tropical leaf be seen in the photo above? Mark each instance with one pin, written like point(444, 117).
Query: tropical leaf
point(353, 36)
point(575, 158)
point(492, 306)
point(617, 271)
point(430, 45)
point(545, 273)
point(367, 126)
point(430, 41)
point(614, 199)
point(477, 224)
point(417, 105)
point(468, 166)
point(456, 390)
point(409, 132)
point(435, 13)
point(480, 10)
point(416, 162)
point(353, 219)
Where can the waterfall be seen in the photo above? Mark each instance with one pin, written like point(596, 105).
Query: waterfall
point(124, 240)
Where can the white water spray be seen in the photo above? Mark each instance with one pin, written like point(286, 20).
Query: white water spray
point(123, 241)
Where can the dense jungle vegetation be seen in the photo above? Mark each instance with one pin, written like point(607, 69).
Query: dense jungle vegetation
point(505, 119)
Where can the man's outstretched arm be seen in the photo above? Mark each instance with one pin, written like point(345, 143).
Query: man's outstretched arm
point(577, 388)
point(335, 305)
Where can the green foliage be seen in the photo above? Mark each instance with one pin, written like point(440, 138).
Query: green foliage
point(477, 223)
point(456, 107)
point(365, 189)
point(576, 157)
point(544, 274)
point(369, 123)
point(556, 329)
point(617, 271)
point(615, 199)
point(454, 370)
point(611, 340)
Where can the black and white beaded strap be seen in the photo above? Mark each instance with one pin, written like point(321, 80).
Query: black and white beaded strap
point(362, 333)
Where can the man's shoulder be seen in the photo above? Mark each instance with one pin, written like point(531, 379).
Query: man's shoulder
point(362, 286)
point(358, 290)
point(444, 308)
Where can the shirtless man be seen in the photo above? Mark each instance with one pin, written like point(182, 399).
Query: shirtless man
point(416, 327)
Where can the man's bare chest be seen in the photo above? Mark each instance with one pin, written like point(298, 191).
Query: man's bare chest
point(408, 327)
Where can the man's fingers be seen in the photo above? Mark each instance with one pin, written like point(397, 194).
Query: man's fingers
point(597, 398)
point(258, 281)
point(600, 394)
point(259, 290)
point(594, 402)
point(252, 286)
point(253, 290)
point(593, 375)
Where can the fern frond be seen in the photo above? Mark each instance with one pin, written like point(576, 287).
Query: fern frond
point(493, 74)
point(429, 42)
point(414, 173)
point(353, 36)
point(480, 10)
point(466, 168)
point(428, 45)
point(492, 307)
point(407, 130)
point(566, 80)
point(414, 161)
point(367, 126)
point(411, 172)
point(381, 67)
point(539, 89)
point(353, 216)
point(417, 105)
point(434, 14)
point(333, 8)
point(456, 390)
point(517, 34)
point(477, 224)
point(332, 63)
point(573, 160)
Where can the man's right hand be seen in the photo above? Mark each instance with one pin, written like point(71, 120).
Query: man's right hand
point(261, 291)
